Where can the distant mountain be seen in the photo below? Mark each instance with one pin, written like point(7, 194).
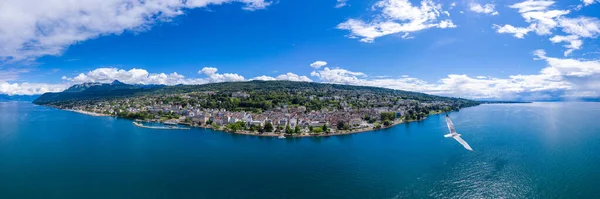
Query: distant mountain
point(120, 90)
point(25, 98)
point(89, 91)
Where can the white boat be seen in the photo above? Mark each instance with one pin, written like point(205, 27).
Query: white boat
point(281, 136)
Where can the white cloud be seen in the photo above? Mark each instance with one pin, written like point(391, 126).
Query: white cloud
point(485, 9)
point(518, 32)
point(574, 43)
point(288, 77)
point(397, 16)
point(337, 75)
point(29, 88)
point(48, 28)
point(544, 21)
point(213, 76)
point(264, 78)
point(581, 26)
point(293, 77)
point(318, 64)
point(532, 5)
point(141, 76)
point(589, 2)
point(561, 78)
point(133, 76)
point(208, 71)
point(341, 3)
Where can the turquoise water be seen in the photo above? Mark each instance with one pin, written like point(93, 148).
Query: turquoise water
point(539, 150)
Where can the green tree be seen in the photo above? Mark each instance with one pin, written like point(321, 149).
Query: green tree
point(297, 129)
point(268, 127)
point(324, 127)
point(288, 129)
point(387, 123)
point(317, 130)
point(377, 126)
point(340, 125)
point(387, 116)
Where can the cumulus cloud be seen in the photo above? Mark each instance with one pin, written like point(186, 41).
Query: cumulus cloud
point(397, 16)
point(141, 76)
point(225, 77)
point(561, 78)
point(293, 77)
point(288, 76)
point(589, 2)
point(543, 20)
point(49, 27)
point(318, 64)
point(208, 71)
point(517, 31)
point(132, 76)
point(264, 78)
point(485, 9)
point(341, 3)
point(29, 88)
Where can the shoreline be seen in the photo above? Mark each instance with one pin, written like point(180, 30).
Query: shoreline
point(159, 127)
point(271, 134)
point(88, 113)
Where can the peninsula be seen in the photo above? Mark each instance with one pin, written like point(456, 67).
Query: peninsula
point(263, 108)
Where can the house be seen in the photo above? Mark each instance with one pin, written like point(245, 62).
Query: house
point(355, 122)
point(240, 95)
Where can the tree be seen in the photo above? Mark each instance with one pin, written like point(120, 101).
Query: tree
point(377, 126)
point(324, 127)
point(372, 120)
point(367, 117)
point(387, 116)
point(340, 125)
point(268, 127)
point(387, 123)
point(317, 130)
point(346, 126)
point(288, 129)
point(297, 129)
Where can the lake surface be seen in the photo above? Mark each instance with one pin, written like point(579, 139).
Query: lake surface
point(539, 150)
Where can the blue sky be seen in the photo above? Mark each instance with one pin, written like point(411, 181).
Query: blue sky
point(531, 50)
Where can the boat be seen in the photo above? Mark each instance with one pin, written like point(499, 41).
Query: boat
point(281, 136)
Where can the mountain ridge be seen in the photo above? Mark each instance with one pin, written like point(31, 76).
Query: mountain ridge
point(116, 89)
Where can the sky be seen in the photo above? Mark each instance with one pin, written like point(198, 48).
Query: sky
point(500, 50)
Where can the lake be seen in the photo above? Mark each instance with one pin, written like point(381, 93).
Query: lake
point(538, 150)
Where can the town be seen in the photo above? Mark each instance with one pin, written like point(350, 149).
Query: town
point(272, 112)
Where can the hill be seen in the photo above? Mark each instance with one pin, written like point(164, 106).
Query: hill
point(94, 92)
